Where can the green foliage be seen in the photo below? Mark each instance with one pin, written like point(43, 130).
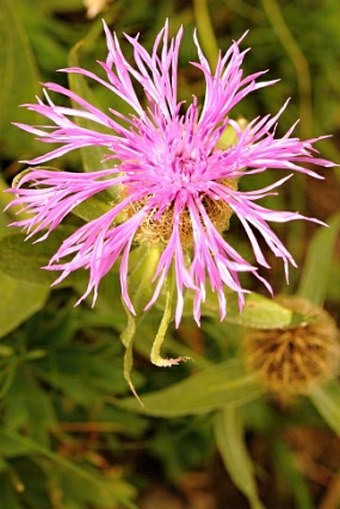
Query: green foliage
point(22, 299)
point(258, 312)
point(327, 401)
point(316, 274)
point(16, 60)
point(203, 392)
point(230, 442)
point(45, 380)
point(292, 477)
point(23, 261)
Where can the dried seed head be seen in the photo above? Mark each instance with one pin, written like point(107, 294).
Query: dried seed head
point(156, 228)
point(292, 361)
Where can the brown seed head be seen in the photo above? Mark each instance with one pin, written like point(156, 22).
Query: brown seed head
point(292, 361)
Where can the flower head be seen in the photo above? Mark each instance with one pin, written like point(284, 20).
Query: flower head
point(292, 361)
point(178, 184)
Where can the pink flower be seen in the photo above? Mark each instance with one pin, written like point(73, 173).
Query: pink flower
point(177, 183)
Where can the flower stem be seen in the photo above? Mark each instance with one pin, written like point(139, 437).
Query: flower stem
point(206, 31)
point(299, 61)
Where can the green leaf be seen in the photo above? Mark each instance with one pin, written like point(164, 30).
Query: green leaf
point(19, 300)
point(19, 80)
point(143, 262)
point(94, 207)
point(10, 448)
point(23, 261)
point(202, 392)
point(127, 337)
point(108, 307)
point(229, 436)
point(316, 273)
point(326, 399)
point(263, 313)
point(78, 494)
point(258, 312)
point(294, 482)
point(26, 403)
point(8, 495)
point(74, 366)
point(5, 199)
point(333, 293)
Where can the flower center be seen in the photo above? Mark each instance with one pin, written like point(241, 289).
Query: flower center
point(184, 169)
point(159, 227)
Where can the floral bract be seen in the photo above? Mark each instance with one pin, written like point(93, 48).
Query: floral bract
point(178, 184)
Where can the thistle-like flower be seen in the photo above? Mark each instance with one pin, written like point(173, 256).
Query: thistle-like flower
point(177, 182)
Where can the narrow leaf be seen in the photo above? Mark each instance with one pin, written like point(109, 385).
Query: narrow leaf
point(263, 313)
point(202, 392)
point(327, 401)
point(229, 436)
point(156, 357)
point(259, 312)
point(316, 273)
point(127, 337)
point(295, 482)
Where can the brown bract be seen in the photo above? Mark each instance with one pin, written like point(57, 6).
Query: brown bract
point(156, 229)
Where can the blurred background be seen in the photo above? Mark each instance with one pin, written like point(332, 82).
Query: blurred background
point(65, 443)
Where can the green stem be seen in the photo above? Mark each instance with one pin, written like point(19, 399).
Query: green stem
point(206, 30)
point(299, 61)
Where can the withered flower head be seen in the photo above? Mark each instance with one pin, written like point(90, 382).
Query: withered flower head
point(293, 360)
